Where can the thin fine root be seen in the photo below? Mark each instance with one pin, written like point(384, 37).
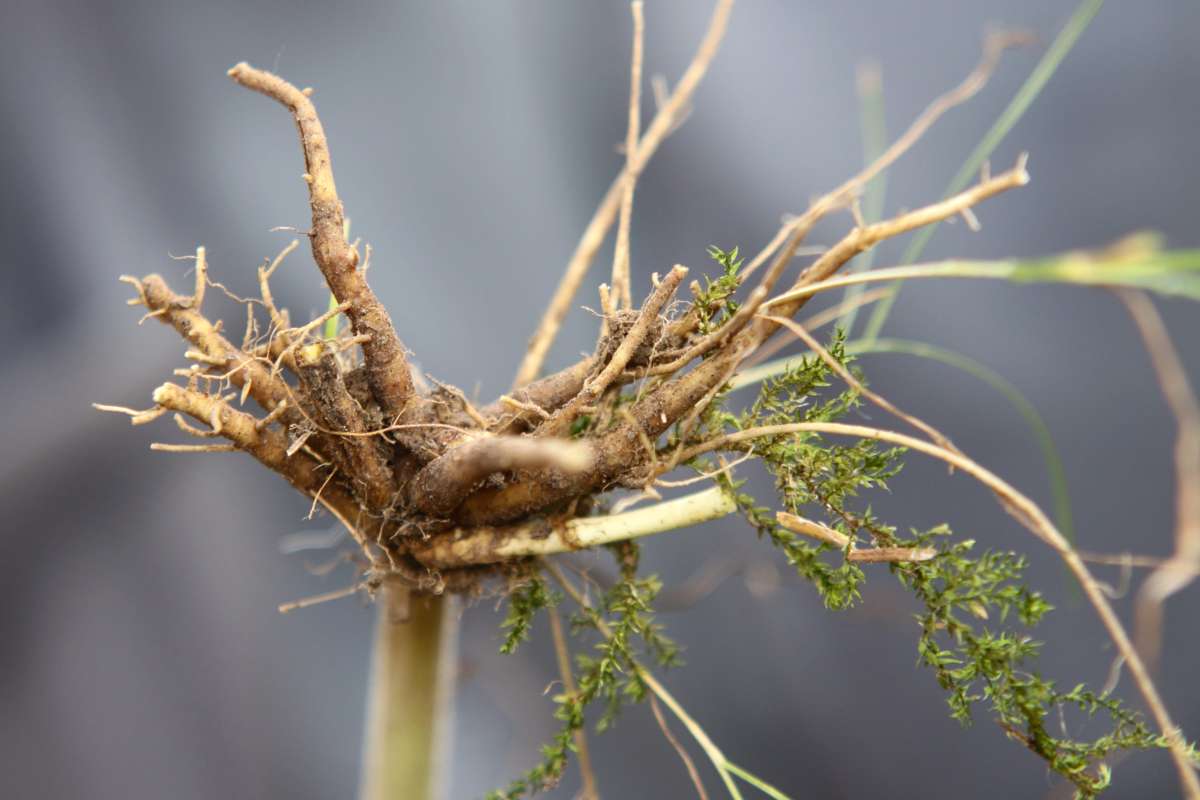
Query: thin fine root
point(705, 476)
point(818, 320)
point(312, 509)
point(522, 406)
point(620, 270)
point(193, 448)
point(688, 764)
point(136, 417)
point(317, 599)
point(1180, 569)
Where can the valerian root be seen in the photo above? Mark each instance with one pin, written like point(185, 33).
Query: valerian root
point(437, 492)
point(440, 494)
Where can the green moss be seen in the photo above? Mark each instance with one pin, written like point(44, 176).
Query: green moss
point(714, 304)
point(976, 619)
point(977, 613)
point(607, 674)
point(529, 596)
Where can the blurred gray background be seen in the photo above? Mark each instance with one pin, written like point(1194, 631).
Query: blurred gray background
point(143, 654)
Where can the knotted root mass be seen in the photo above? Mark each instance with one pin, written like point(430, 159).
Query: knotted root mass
point(408, 470)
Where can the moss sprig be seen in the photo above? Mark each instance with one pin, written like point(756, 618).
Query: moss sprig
point(968, 598)
point(528, 594)
point(977, 664)
point(976, 613)
point(607, 674)
point(715, 304)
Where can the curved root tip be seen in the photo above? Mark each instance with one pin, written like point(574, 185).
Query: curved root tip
point(1022, 171)
point(161, 394)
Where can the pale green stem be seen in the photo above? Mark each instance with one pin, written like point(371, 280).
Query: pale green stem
point(409, 698)
point(331, 324)
point(1134, 261)
point(706, 744)
point(756, 782)
point(722, 764)
point(480, 546)
point(1001, 270)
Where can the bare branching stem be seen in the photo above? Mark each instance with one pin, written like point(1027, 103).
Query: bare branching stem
point(792, 233)
point(865, 237)
point(635, 338)
point(663, 124)
point(994, 46)
point(687, 394)
point(872, 555)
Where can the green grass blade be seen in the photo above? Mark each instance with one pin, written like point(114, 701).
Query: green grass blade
point(1062, 44)
point(873, 124)
point(756, 782)
point(331, 324)
point(1134, 262)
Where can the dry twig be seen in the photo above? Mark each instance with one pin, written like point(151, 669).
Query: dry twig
point(663, 124)
point(994, 46)
point(1180, 569)
point(633, 167)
